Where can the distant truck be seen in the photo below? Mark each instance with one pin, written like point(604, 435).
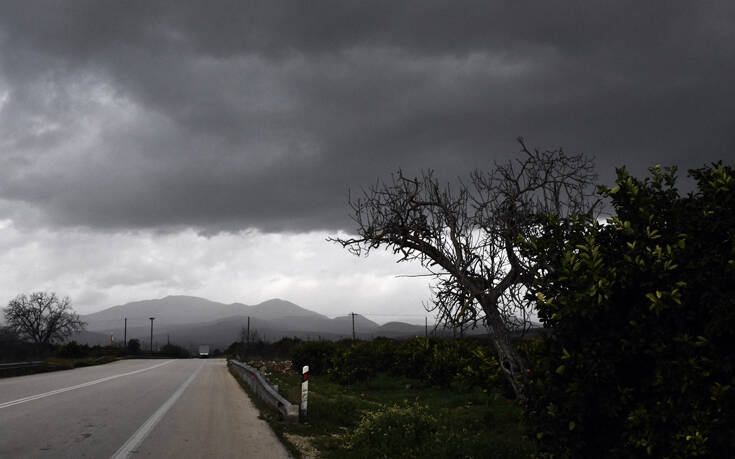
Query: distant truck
point(203, 351)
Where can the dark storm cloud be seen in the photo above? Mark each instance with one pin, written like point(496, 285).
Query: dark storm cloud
point(260, 114)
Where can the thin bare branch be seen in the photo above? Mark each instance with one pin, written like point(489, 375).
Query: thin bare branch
point(467, 236)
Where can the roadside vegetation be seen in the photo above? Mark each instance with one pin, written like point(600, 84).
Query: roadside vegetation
point(423, 397)
point(639, 313)
point(69, 355)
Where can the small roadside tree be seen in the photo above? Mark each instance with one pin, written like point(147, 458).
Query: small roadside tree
point(42, 318)
point(134, 346)
point(468, 236)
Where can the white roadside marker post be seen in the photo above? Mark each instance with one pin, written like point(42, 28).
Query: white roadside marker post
point(304, 390)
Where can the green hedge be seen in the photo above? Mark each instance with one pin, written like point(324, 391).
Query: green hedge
point(441, 362)
point(642, 309)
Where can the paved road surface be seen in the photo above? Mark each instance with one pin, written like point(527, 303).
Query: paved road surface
point(133, 408)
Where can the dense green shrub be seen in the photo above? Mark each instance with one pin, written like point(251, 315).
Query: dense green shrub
point(639, 362)
point(284, 347)
point(399, 431)
point(262, 350)
point(174, 351)
point(413, 357)
point(481, 369)
point(72, 350)
point(355, 363)
point(316, 354)
point(409, 430)
point(441, 362)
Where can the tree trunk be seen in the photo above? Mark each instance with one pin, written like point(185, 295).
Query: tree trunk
point(38, 349)
point(511, 362)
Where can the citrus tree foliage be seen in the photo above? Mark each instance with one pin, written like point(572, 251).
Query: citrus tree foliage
point(467, 236)
point(42, 318)
point(464, 364)
point(641, 308)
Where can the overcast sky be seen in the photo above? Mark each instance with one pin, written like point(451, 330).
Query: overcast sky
point(206, 148)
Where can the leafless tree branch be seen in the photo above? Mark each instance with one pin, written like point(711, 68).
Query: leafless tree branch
point(467, 236)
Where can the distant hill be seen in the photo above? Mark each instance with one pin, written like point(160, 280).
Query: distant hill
point(361, 323)
point(189, 321)
point(176, 310)
point(277, 309)
point(186, 310)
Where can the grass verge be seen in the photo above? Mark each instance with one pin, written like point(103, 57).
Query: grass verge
point(391, 416)
point(57, 364)
point(68, 364)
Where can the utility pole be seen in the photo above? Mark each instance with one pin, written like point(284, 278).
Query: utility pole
point(152, 334)
point(353, 326)
point(426, 326)
point(125, 333)
point(168, 339)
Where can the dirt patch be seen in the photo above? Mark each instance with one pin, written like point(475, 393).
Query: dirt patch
point(273, 366)
point(303, 445)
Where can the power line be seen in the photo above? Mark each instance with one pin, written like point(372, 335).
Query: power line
point(389, 315)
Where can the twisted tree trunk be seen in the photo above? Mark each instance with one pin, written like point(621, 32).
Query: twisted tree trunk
point(511, 362)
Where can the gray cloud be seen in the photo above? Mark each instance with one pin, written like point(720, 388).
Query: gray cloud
point(183, 114)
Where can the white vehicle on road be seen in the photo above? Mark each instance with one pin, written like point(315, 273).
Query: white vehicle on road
point(203, 351)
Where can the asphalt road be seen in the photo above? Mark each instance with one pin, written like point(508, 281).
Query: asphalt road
point(133, 408)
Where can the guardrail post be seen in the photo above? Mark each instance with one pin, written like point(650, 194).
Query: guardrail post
point(304, 391)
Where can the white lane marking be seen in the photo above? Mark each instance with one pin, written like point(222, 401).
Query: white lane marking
point(129, 447)
point(78, 386)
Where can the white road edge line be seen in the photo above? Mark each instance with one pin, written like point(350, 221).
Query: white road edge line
point(129, 447)
point(78, 386)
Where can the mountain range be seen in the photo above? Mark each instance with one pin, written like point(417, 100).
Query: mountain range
point(189, 321)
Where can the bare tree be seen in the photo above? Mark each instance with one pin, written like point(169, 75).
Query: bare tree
point(467, 236)
point(42, 318)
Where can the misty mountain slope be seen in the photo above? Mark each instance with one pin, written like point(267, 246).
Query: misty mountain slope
point(362, 323)
point(188, 321)
point(171, 310)
point(180, 310)
point(277, 308)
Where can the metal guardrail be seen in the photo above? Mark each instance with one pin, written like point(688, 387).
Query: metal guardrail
point(21, 368)
point(17, 365)
point(266, 391)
